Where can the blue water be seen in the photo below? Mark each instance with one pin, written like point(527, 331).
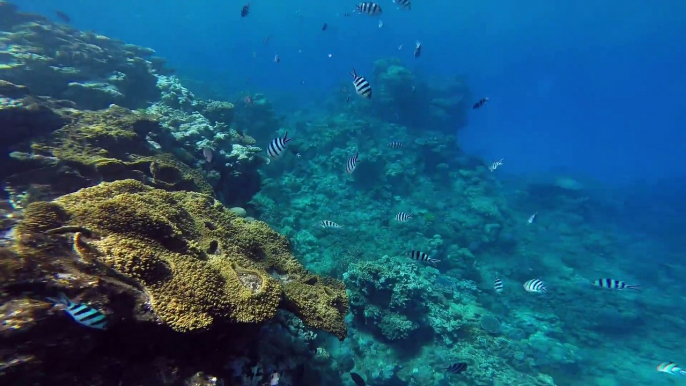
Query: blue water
point(592, 90)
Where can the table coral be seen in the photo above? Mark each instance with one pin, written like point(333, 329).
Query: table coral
point(197, 261)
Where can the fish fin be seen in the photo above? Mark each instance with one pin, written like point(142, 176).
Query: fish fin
point(433, 261)
point(634, 287)
point(286, 139)
point(61, 299)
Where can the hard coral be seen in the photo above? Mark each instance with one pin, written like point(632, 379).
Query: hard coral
point(198, 262)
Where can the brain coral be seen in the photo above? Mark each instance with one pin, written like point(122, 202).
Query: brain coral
point(198, 262)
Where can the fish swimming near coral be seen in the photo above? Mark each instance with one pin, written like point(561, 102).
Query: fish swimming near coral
point(207, 153)
point(421, 256)
point(403, 217)
point(535, 285)
point(395, 145)
point(456, 368)
point(362, 87)
point(352, 163)
point(498, 285)
point(81, 313)
point(480, 103)
point(404, 4)
point(670, 368)
point(329, 224)
point(371, 9)
point(245, 11)
point(417, 49)
point(614, 284)
point(357, 379)
point(65, 18)
point(277, 146)
point(492, 167)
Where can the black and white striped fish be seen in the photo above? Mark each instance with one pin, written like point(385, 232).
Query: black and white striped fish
point(671, 368)
point(369, 8)
point(535, 285)
point(328, 224)
point(407, 4)
point(498, 285)
point(362, 87)
point(352, 163)
point(402, 216)
point(480, 103)
point(81, 313)
point(457, 368)
point(245, 10)
point(277, 146)
point(492, 167)
point(614, 284)
point(421, 256)
point(395, 145)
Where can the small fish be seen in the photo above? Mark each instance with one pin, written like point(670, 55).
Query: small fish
point(325, 26)
point(248, 100)
point(329, 224)
point(347, 100)
point(406, 4)
point(421, 256)
point(352, 163)
point(207, 153)
point(380, 23)
point(277, 146)
point(298, 155)
point(498, 285)
point(400, 47)
point(670, 368)
point(480, 103)
point(81, 313)
point(362, 87)
point(266, 39)
point(371, 9)
point(614, 284)
point(65, 18)
point(246, 10)
point(495, 164)
point(456, 368)
point(532, 219)
point(417, 49)
point(275, 380)
point(403, 217)
point(535, 285)
point(395, 145)
point(357, 379)
point(277, 59)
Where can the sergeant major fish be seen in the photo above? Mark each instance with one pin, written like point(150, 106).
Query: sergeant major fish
point(457, 368)
point(277, 146)
point(535, 285)
point(614, 284)
point(329, 224)
point(362, 87)
point(370, 8)
point(670, 368)
point(421, 256)
point(352, 163)
point(492, 167)
point(245, 10)
point(395, 145)
point(81, 313)
point(498, 285)
point(480, 103)
point(406, 4)
point(417, 49)
point(403, 217)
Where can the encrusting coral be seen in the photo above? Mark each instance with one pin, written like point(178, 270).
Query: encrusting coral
point(197, 261)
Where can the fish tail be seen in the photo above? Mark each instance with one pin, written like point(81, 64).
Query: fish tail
point(61, 299)
point(285, 138)
point(433, 261)
point(634, 287)
point(353, 74)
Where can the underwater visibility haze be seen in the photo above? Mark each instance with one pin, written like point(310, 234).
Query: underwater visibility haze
point(390, 193)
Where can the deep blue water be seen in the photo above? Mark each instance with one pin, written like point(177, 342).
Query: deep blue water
point(594, 87)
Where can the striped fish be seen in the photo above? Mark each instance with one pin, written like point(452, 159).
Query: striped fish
point(277, 146)
point(495, 164)
point(457, 368)
point(498, 285)
point(421, 256)
point(328, 224)
point(352, 163)
point(614, 284)
point(480, 103)
point(369, 8)
point(362, 87)
point(535, 285)
point(670, 368)
point(402, 216)
point(406, 4)
point(395, 145)
point(81, 313)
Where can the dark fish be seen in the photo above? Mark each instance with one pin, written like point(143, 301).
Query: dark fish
point(352, 163)
point(480, 103)
point(81, 313)
point(277, 146)
point(357, 379)
point(403, 217)
point(325, 26)
point(407, 4)
point(362, 87)
point(457, 368)
point(535, 285)
point(395, 145)
point(369, 8)
point(65, 18)
point(614, 284)
point(207, 153)
point(246, 10)
point(421, 256)
point(498, 285)
point(417, 49)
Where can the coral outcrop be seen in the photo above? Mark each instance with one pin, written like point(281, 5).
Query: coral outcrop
point(197, 262)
